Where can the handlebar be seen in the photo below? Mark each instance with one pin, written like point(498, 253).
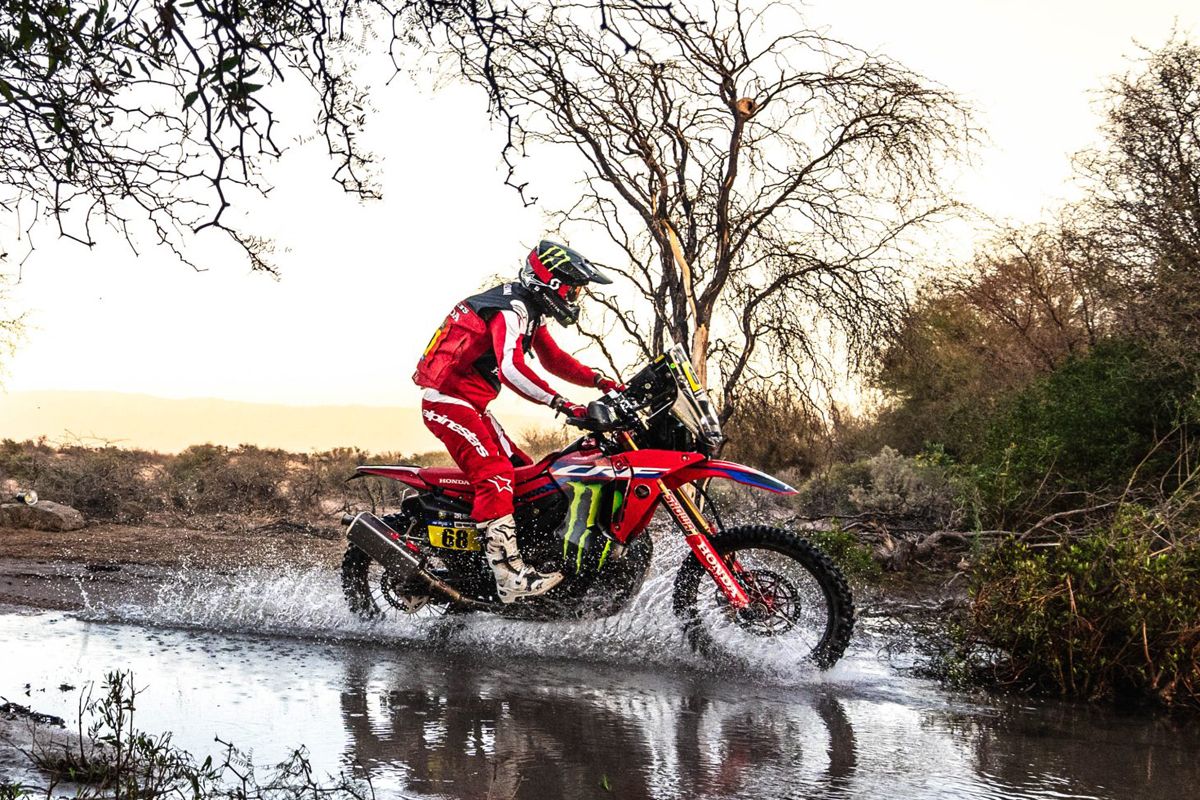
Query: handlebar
point(600, 418)
point(592, 425)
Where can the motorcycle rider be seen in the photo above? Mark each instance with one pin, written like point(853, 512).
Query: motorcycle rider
point(483, 344)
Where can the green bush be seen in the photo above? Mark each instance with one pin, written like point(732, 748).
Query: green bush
point(1114, 612)
point(1084, 429)
point(852, 557)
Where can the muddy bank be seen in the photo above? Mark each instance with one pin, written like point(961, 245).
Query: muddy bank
point(107, 562)
point(208, 544)
point(25, 731)
point(104, 566)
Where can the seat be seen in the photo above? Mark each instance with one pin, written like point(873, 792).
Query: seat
point(452, 478)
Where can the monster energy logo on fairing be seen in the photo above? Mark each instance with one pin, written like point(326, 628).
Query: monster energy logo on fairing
point(581, 520)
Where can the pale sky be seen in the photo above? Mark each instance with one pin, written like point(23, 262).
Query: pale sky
point(364, 285)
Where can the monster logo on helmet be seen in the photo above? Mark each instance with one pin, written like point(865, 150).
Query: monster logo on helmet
point(556, 274)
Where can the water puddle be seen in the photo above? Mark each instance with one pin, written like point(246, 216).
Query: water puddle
point(421, 719)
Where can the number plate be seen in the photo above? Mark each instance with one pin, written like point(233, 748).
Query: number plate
point(454, 538)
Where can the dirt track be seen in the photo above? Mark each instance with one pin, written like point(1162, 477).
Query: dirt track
point(61, 570)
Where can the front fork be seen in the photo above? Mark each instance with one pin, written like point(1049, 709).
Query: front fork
point(695, 529)
point(695, 532)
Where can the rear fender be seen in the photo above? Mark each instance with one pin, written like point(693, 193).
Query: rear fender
point(728, 470)
point(404, 474)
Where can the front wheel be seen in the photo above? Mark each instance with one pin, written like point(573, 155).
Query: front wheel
point(800, 605)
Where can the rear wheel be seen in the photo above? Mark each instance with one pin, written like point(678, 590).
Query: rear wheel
point(800, 605)
point(373, 592)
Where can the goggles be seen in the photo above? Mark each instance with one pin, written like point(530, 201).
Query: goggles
point(570, 293)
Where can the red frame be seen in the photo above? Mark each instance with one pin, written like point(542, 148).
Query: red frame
point(650, 476)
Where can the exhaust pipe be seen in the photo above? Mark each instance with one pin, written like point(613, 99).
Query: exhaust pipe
point(375, 538)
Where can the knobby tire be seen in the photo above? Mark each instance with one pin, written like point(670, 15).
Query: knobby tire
point(839, 622)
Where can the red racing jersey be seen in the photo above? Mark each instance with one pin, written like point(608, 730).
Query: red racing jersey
point(483, 345)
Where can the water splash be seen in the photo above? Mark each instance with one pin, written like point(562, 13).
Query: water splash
point(308, 603)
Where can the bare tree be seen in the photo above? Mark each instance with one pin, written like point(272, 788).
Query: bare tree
point(162, 112)
point(12, 328)
point(1040, 293)
point(136, 111)
point(1145, 195)
point(760, 178)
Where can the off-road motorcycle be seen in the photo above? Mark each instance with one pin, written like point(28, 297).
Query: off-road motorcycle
point(585, 510)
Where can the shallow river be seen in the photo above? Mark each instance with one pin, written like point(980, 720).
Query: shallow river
point(608, 709)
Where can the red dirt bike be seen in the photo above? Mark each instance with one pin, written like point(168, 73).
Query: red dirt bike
point(585, 509)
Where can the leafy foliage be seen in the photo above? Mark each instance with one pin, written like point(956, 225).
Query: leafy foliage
point(1061, 364)
point(1084, 430)
point(1028, 301)
point(852, 557)
point(1113, 612)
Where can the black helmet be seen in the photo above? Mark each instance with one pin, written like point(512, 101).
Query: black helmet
point(555, 274)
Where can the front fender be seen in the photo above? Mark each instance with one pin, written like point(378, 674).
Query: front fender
point(728, 470)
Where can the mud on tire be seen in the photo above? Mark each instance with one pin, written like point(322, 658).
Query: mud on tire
point(372, 594)
point(828, 627)
point(356, 584)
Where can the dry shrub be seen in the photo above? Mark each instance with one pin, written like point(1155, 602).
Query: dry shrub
point(1112, 610)
point(540, 442)
point(113, 484)
point(921, 491)
point(321, 477)
point(770, 429)
point(102, 482)
point(112, 758)
point(210, 478)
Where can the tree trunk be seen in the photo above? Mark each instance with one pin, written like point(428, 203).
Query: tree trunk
point(699, 344)
point(700, 353)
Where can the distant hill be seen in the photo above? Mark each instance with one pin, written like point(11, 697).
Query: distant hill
point(155, 423)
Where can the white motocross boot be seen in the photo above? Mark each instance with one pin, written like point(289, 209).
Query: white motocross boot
point(514, 579)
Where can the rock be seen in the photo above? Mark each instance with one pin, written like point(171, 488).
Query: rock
point(15, 711)
point(45, 516)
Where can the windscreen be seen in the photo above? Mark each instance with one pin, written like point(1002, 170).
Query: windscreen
point(692, 406)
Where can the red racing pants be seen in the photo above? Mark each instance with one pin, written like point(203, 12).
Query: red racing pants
point(480, 448)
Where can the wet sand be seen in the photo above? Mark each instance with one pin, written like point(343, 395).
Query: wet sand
point(66, 570)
